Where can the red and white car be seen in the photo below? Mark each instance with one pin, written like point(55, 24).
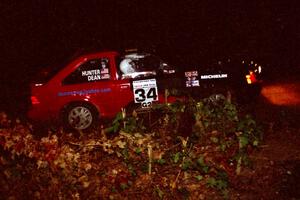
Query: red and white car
point(94, 86)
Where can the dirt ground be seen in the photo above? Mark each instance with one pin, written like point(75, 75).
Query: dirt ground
point(275, 172)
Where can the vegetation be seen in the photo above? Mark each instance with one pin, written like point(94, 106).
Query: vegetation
point(185, 150)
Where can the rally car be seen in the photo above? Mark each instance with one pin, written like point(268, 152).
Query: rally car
point(95, 86)
point(98, 85)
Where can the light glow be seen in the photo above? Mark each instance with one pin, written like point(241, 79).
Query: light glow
point(38, 84)
point(287, 94)
point(250, 78)
point(34, 100)
point(259, 69)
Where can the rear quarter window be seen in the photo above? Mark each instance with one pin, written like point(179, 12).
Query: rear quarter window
point(90, 71)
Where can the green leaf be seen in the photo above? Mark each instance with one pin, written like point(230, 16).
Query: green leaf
point(223, 146)
point(221, 184)
point(125, 153)
point(159, 192)
point(205, 169)
point(116, 126)
point(161, 161)
point(255, 143)
point(131, 170)
point(138, 150)
point(109, 129)
point(113, 189)
point(186, 164)
point(199, 177)
point(211, 182)
point(176, 157)
point(123, 186)
point(243, 141)
point(201, 162)
point(118, 117)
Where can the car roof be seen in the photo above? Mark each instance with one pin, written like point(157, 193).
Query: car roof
point(97, 53)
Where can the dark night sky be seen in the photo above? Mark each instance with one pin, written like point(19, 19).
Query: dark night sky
point(37, 33)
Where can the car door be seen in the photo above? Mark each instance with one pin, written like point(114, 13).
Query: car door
point(91, 81)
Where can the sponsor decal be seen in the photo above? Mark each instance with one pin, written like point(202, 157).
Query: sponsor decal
point(83, 92)
point(96, 74)
point(214, 76)
point(145, 91)
point(191, 79)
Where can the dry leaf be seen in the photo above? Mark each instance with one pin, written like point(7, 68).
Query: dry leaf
point(121, 144)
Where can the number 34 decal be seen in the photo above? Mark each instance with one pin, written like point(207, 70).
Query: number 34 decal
point(145, 91)
point(144, 94)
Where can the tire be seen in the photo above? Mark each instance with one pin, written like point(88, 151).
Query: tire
point(80, 117)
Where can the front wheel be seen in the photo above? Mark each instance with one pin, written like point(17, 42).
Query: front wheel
point(80, 116)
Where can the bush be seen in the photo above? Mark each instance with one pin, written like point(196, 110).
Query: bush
point(187, 147)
